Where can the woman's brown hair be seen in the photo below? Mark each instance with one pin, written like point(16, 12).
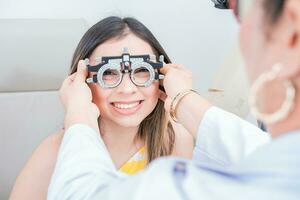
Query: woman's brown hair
point(155, 130)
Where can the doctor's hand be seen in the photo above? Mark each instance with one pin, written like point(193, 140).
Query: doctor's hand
point(76, 98)
point(177, 79)
point(190, 110)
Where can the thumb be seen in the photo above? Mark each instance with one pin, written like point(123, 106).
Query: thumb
point(167, 104)
point(96, 110)
point(82, 72)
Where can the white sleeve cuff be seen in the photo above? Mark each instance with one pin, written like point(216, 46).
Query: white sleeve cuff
point(225, 138)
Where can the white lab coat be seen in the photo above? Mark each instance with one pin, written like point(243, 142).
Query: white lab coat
point(84, 169)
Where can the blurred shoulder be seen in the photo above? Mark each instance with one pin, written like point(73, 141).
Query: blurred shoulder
point(50, 144)
point(33, 180)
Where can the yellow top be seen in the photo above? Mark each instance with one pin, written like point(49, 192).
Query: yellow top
point(136, 163)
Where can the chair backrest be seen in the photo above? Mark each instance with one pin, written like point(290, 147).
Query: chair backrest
point(35, 58)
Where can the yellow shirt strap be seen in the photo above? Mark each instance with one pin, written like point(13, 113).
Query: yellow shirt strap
point(136, 163)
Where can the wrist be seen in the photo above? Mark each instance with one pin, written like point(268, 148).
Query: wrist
point(81, 116)
point(176, 101)
point(191, 110)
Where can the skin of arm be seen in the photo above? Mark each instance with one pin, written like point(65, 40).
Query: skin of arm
point(184, 142)
point(33, 180)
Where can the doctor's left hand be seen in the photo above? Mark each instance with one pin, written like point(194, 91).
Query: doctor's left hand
point(76, 97)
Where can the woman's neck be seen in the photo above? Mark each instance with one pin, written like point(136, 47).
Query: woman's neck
point(121, 142)
point(116, 135)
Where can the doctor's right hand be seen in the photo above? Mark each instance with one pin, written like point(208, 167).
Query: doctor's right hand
point(76, 97)
point(190, 110)
point(177, 79)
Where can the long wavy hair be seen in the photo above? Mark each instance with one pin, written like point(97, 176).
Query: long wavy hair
point(155, 130)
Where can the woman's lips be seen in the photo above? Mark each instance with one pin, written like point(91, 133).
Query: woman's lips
point(127, 108)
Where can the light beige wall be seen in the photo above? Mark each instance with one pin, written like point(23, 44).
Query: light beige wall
point(229, 87)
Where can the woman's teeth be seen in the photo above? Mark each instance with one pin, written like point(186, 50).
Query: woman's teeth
point(126, 106)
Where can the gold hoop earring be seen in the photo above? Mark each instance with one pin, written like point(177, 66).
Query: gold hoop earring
point(286, 107)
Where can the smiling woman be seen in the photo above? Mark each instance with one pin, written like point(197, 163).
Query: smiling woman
point(132, 117)
point(133, 122)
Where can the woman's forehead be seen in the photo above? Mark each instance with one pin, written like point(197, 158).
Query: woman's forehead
point(115, 47)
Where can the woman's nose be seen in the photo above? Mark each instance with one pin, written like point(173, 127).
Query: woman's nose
point(126, 85)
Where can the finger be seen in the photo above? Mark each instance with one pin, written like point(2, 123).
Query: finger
point(167, 67)
point(72, 76)
point(162, 95)
point(82, 72)
point(96, 109)
point(180, 67)
point(167, 105)
point(68, 80)
point(164, 69)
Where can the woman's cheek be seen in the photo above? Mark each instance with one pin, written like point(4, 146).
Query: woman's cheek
point(153, 91)
point(99, 96)
point(152, 95)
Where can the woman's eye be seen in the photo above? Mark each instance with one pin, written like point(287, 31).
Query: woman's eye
point(141, 70)
point(110, 72)
point(107, 73)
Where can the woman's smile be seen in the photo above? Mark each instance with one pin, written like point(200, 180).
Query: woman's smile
point(127, 107)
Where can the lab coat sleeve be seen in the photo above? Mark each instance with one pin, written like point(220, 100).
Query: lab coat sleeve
point(224, 139)
point(83, 164)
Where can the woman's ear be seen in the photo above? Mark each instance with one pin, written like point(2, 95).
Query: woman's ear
point(290, 26)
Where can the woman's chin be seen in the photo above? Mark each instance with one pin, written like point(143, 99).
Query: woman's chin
point(128, 122)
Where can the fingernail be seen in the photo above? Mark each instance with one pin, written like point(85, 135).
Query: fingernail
point(82, 64)
point(86, 61)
